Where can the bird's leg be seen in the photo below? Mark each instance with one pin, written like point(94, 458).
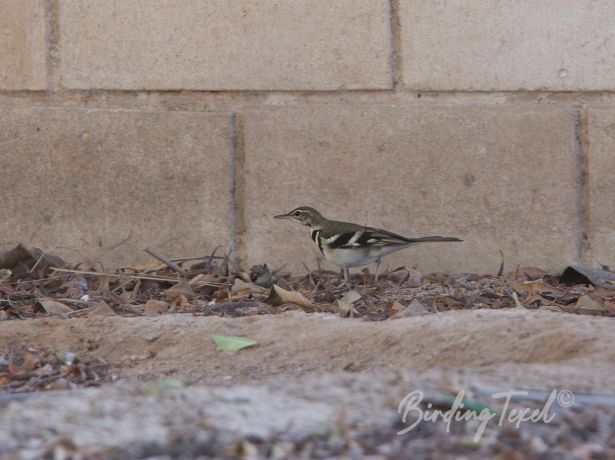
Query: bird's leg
point(378, 261)
point(344, 282)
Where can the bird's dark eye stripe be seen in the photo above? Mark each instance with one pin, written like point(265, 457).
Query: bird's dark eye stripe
point(341, 240)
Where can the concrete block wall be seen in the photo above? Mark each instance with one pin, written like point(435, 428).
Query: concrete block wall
point(185, 125)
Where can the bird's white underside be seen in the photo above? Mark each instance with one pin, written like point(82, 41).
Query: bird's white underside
point(354, 257)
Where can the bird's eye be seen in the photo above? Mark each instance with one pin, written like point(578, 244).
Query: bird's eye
point(296, 213)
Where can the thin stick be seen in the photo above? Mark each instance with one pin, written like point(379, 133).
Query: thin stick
point(125, 275)
point(172, 265)
point(210, 259)
point(501, 270)
point(187, 259)
point(310, 277)
point(37, 262)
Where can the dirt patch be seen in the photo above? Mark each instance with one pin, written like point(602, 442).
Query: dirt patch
point(316, 386)
point(297, 344)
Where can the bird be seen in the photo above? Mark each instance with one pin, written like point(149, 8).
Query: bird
point(351, 245)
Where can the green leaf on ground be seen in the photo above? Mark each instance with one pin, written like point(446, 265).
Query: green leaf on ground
point(346, 301)
point(518, 304)
point(168, 383)
point(230, 343)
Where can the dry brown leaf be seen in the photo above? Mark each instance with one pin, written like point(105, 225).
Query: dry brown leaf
point(155, 307)
point(526, 274)
point(538, 287)
point(534, 297)
point(240, 286)
point(16, 371)
point(206, 284)
point(181, 288)
point(144, 267)
point(31, 361)
point(394, 308)
point(279, 296)
point(588, 306)
point(53, 307)
point(604, 293)
point(100, 309)
point(181, 301)
point(416, 308)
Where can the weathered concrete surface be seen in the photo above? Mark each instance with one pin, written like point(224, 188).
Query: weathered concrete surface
point(500, 177)
point(106, 184)
point(311, 375)
point(555, 45)
point(222, 44)
point(22, 45)
point(601, 182)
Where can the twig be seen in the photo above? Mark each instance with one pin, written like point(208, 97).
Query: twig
point(37, 262)
point(188, 259)
point(125, 275)
point(172, 265)
point(210, 259)
point(310, 277)
point(501, 270)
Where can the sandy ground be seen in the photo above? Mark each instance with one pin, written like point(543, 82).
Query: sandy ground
point(312, 376)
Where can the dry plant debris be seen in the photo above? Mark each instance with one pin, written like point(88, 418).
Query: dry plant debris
point(30, 369)
point(35, 284)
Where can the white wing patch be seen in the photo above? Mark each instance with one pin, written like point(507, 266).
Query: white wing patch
point(353, 241)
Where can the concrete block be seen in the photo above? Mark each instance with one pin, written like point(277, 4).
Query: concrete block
point(104, 184)
point(226, 44)
point(22, 45)
point(500, 177)
point(507, 45)
point(601, 181)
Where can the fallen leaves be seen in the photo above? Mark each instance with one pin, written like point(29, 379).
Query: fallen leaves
point(32, 287)
point(35, 370)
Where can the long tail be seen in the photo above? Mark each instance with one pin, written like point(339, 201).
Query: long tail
point(433, 239)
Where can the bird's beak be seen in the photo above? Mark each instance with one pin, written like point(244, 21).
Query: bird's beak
point(282, 216)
